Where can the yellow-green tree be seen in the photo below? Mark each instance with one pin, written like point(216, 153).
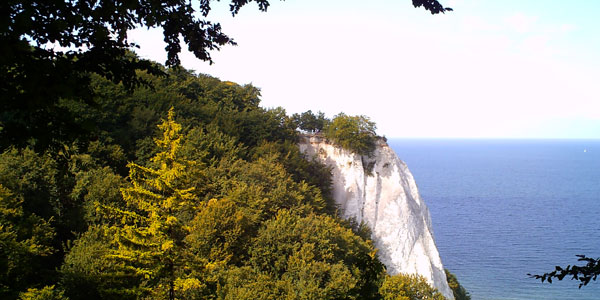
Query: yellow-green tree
point(355, 133)
point(408, 287)
point(147, 235)
point(46, 293)
point(313, 257)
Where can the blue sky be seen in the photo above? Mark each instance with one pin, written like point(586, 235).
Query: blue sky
point(489, 69)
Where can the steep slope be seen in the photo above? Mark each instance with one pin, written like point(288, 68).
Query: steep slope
point(380, 191)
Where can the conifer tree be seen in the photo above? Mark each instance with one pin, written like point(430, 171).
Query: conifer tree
point(147, 235)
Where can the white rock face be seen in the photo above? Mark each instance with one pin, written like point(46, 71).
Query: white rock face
point(389, 202)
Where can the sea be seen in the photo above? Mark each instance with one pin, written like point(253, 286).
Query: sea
point(504, 208)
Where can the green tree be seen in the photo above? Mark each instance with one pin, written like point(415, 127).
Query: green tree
point(219, 237)
point(98, 186)
point(314, 257)
point(210, 146)
point(266, 187)
point(459, 292)
point(356, 133)
point(37, 190)
point(46, 293)
point(310, 122)
point(246, 283)
point(25, 243)
point(86, 274)
point(408, 287)
point(219, 232)
point(35, 177)
point(300, 166)
point(147, 242)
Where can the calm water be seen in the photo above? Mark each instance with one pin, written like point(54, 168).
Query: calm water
point(504, 208)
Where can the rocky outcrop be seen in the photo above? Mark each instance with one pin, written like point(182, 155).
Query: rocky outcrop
point(380, 191)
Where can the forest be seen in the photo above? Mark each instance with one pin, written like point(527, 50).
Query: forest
point(121, 178)
point(184, 188)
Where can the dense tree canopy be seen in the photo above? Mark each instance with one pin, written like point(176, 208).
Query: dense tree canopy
point(310, 122)
point(356, 133)
point(408, 287)
point(25, 242)
point(221, 186)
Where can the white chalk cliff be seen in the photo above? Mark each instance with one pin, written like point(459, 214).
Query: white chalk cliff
point(388, 201)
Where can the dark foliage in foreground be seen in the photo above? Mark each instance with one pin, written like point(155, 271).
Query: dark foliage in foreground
point(584, 274)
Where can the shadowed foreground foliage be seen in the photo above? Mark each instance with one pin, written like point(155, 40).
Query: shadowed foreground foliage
point(584, 274)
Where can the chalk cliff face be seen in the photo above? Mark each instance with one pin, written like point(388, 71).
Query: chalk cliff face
point(387, 199)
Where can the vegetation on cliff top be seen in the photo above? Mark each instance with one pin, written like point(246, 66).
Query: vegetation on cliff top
point(355, 133)
point(216, 202)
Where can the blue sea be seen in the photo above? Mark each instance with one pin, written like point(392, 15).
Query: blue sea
point(504, 208)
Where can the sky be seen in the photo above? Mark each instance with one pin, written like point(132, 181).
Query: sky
point(488, 69)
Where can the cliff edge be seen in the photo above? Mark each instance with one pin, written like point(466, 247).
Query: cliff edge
point(380, 191)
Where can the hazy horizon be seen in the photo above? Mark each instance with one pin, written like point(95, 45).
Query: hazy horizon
point(489, 69)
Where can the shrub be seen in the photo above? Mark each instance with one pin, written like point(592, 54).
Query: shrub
point(355, 133)
point(408, 287)
point(46, 293)
point(460, 293)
